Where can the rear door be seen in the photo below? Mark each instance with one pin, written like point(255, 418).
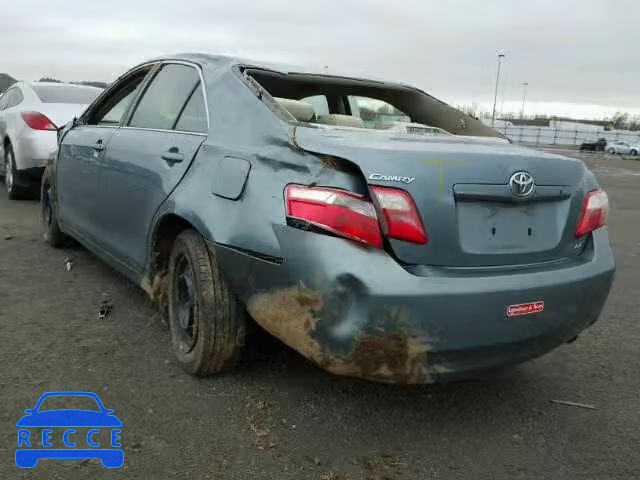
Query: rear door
point(81, 153)
point(146, 159)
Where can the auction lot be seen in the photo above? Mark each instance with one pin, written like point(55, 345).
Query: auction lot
point(278, 416)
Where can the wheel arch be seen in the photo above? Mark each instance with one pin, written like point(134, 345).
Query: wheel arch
point(161, 240)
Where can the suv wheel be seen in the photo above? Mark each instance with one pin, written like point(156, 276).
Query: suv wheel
point(634, 152)
point(206, 321)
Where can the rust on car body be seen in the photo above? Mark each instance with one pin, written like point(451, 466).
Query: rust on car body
point(293, 315)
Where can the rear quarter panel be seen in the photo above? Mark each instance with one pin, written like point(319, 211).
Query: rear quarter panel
point(250, 132)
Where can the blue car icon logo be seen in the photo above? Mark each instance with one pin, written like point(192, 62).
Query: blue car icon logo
point(69, 433)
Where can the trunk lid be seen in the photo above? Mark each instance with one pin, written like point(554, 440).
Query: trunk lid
point(60, 113)
point(461, 189)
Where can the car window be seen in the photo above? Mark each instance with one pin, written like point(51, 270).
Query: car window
point(14, 97)
point(3, 102)
point(319, 103)
point(66, 94)
point(112, 108)
point(376, 113)
point(165, 97)
point(66, 402)
point(113, 116)
point(194, 116)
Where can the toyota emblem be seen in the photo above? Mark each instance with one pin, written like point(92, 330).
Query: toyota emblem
point(522, 184)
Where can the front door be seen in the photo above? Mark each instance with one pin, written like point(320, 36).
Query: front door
point(77, 172)
point(82, 152)
point(147, 158)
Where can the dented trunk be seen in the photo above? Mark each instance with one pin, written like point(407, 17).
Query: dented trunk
point(461, 188)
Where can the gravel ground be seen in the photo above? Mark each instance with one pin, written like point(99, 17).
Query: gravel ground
point(280, 417)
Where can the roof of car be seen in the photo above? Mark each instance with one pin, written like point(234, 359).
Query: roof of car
point(228, 61)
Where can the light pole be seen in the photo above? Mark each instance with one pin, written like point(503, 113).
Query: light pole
point(524, 96)
point(495, 96)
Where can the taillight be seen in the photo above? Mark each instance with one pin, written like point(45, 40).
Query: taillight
point(38, 121)
point(343, 213)
point(400, 215)
point(595, 210)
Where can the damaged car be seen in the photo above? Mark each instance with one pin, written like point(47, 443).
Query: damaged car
point(225, 187)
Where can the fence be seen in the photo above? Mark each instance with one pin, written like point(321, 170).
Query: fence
point(556, 136)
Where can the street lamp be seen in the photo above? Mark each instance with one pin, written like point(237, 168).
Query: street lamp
point(524, 96)
point(495, 96)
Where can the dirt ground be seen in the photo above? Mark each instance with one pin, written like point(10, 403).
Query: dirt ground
point(280, 417)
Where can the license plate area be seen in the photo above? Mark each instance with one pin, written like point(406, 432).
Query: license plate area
point(494, 228)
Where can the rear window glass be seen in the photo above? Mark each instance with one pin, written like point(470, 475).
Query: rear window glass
point(376, 113)
point(66, 94)
point(319, 103)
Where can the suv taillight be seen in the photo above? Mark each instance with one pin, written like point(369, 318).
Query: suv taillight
point(343, 213)
point(38, 121)
point(595, 210)
point(402, 220)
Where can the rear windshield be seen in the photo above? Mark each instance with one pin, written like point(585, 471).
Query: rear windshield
point(334, 101)
point(66, 94)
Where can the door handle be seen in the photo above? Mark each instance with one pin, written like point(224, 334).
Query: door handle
point(172, 156)
point(99, 146)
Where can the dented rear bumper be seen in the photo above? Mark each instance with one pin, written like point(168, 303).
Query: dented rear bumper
point(355, 311)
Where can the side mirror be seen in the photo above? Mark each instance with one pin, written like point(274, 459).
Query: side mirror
point(109, 411)
point(29, 410)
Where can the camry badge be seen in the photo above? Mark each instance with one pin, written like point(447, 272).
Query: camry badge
point(391, 178)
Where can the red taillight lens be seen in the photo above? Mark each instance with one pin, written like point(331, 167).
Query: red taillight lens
point(343, 213)
point(400, 214)
point(595, 210)
point(38, 121)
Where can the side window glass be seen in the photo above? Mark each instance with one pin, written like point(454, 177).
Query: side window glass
point(114, 115)
point(3, 102)
point(12, 98)
point(319, 103)
point(165, 97)
point(194, 116)
point(111, 109)
point(19, 97)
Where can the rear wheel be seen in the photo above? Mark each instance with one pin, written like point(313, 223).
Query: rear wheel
point(11, 176)
point(634, 152)
point(206, 321)
point(612, 151)
point(51, 234)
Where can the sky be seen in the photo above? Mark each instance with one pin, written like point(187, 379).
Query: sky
point(579, 57)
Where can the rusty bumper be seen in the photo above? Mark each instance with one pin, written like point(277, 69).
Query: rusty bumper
point(355, 311)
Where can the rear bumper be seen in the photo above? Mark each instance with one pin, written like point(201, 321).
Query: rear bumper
point(33, 148)
point(356, 312)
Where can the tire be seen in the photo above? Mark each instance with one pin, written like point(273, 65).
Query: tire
point(49, 215)
point(11, 176)
point(207, 324)
point(633, 152)
point(612, 151)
